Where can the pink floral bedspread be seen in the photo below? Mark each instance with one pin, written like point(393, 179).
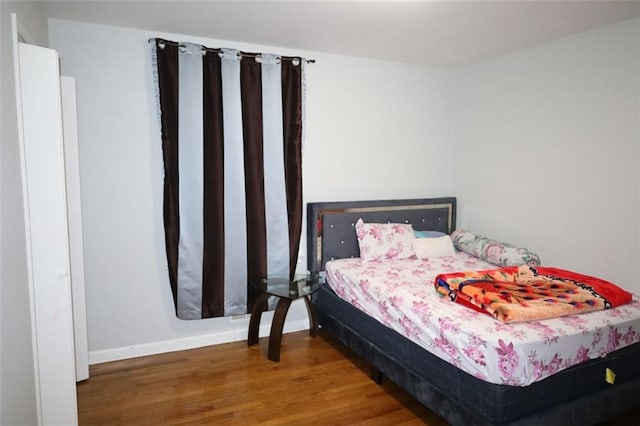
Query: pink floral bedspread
point(399, 294)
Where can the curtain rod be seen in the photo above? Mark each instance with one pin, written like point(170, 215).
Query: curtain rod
point(256, 56)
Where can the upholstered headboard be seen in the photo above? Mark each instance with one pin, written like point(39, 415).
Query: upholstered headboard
point(331, 225)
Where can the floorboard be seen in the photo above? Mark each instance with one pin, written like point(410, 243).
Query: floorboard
point(317, 381)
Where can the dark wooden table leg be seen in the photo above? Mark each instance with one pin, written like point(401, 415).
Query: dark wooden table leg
point(276, 328)
point(313, 321)
point(256, 314)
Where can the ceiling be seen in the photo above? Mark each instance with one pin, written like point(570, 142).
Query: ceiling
point(439, 33)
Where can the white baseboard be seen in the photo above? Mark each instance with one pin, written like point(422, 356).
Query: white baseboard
point(191, 342)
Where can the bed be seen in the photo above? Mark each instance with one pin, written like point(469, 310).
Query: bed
point(581, 394)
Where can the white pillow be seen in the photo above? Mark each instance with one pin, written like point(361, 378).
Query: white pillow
point(426, 248)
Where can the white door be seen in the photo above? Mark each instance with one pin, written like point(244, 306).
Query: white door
point(74, 213)
point(43, 178)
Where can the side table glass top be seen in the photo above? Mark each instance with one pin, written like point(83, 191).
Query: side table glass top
point(281, 286)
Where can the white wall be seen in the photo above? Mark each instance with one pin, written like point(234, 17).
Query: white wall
point(17, 391)
point(546, 151)
point(360, 122)
point(554, 130)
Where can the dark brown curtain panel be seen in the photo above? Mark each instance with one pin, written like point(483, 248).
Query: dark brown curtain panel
point(167, 66)
point(213, 166)
point(231, 126)
point(251, 95)
point(292, 137)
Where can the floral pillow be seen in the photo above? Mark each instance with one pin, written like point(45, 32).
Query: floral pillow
point(384, 241)
point(498, 253)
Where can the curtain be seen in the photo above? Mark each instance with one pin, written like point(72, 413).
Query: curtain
point(231, 125)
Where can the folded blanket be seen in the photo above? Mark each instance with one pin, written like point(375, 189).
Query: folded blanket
point(526, 293)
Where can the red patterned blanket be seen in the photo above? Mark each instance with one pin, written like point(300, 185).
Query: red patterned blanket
point(528, 293)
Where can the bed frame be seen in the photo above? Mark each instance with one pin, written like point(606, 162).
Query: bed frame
point(578, 395)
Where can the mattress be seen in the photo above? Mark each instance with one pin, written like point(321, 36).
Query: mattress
point(578, 395)
point(400, 294)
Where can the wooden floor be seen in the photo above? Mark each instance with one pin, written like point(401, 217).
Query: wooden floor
point(317, 381)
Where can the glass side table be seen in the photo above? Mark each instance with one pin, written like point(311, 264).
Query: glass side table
point(287, 291)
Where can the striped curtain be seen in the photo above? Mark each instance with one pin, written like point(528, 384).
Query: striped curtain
point(231, 127)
